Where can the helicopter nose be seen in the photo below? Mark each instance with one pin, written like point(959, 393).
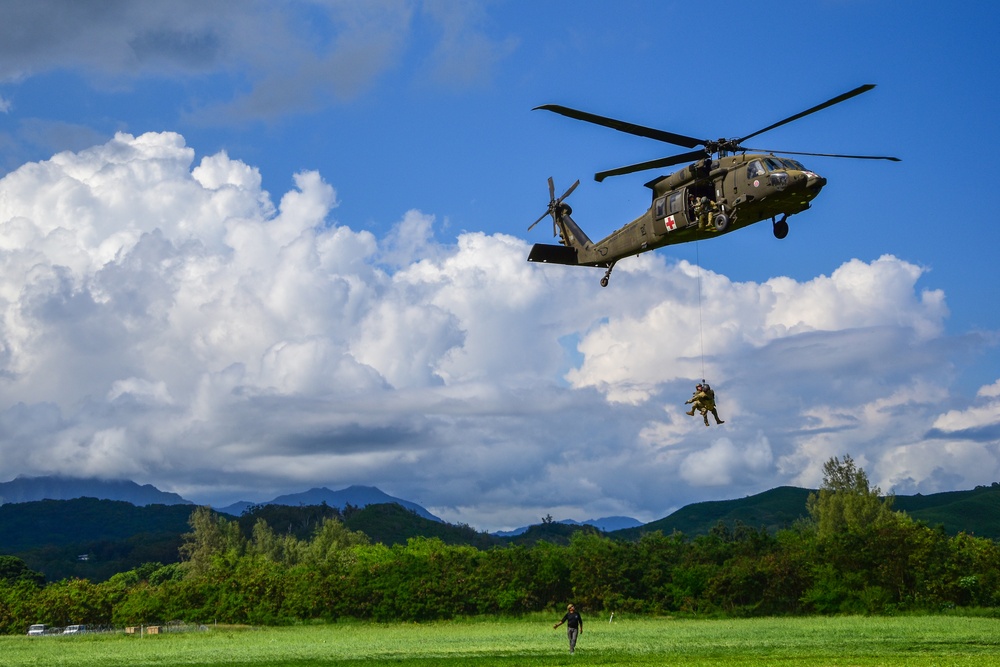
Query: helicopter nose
point(815, 182)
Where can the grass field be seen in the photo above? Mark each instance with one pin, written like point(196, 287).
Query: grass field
point(854, 641)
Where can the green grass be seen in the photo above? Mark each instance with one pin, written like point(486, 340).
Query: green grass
point(848, 641)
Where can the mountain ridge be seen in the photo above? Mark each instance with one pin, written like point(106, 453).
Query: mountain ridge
point(607, 524)
point(356, 495)
point(24, 489)
point(94, 539)
point(970, 511)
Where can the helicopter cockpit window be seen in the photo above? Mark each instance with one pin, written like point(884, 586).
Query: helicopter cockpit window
point(774, 164)
point(795, 165)
point(755, 169)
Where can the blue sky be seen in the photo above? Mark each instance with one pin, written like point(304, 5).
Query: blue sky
point(255, 248)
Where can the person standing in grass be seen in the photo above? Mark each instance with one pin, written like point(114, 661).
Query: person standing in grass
point(574, 626)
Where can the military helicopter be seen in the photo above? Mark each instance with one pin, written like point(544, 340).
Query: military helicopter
point(743, 186)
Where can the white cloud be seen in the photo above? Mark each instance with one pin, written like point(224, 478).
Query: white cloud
point(167, 321)
point(724, 461)
point(990, 391)
point(984, 414)
point(140, 390)
point(629, 356)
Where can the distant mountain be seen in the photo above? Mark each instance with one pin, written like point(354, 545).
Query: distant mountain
point(94, 539)
point(975, 512)
point(29, 489)
point(774, 509)
point(606, 524)
point(358, 496)
point(552, 532)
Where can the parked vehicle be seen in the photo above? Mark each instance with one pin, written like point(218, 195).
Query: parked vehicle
point(75, 629)
point(37, 629)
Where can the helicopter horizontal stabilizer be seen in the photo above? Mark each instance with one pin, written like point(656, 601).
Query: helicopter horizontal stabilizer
point(552, 254)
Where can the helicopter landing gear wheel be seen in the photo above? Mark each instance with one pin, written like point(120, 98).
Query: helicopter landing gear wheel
point(607, 275)
point(720, 222)
point(781, 228)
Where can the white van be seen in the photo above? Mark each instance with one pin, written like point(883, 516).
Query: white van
point(37, 629)
point(75, 629)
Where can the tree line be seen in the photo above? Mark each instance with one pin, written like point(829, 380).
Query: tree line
point(853, 554)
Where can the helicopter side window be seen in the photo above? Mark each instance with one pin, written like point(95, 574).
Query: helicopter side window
point(676, 203)
point(773, 164)
point(755, 169)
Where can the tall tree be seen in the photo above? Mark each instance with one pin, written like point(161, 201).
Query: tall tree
point(14, 570)
point(846, 502)
point(210, 536)
point(331, 541)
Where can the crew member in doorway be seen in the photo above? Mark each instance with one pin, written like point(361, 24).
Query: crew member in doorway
point(706, 210)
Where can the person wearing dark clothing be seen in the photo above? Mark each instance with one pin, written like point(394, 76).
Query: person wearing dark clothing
point(574, 626)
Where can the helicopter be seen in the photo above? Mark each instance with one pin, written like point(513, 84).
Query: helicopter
point(740, 185)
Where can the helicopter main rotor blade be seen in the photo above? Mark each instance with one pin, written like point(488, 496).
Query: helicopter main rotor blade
point(829, 103)
point(853, 157)
point(622, 126)
point(652, 164)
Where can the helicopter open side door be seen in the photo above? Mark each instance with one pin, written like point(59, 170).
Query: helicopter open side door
point(672, 212)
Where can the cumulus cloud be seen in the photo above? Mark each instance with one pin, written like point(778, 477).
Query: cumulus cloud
point(974, 425)
point(172, 322)
point(723, 461)
point(628, 357)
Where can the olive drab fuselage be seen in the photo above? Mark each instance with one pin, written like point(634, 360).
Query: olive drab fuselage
point(746, 189)
point(742, 186)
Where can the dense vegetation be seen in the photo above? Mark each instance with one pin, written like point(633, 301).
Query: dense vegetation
point(89, 538)
point(853, 554)
point(92, 539)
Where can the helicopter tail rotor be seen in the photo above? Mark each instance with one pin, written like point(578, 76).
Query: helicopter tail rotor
point(557, 209)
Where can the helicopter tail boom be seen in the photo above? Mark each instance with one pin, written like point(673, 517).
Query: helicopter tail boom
point(572, 235)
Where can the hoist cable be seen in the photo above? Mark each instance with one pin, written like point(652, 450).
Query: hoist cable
point(701, 325)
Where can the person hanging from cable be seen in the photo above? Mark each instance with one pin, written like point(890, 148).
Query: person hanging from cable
point(703, 401)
